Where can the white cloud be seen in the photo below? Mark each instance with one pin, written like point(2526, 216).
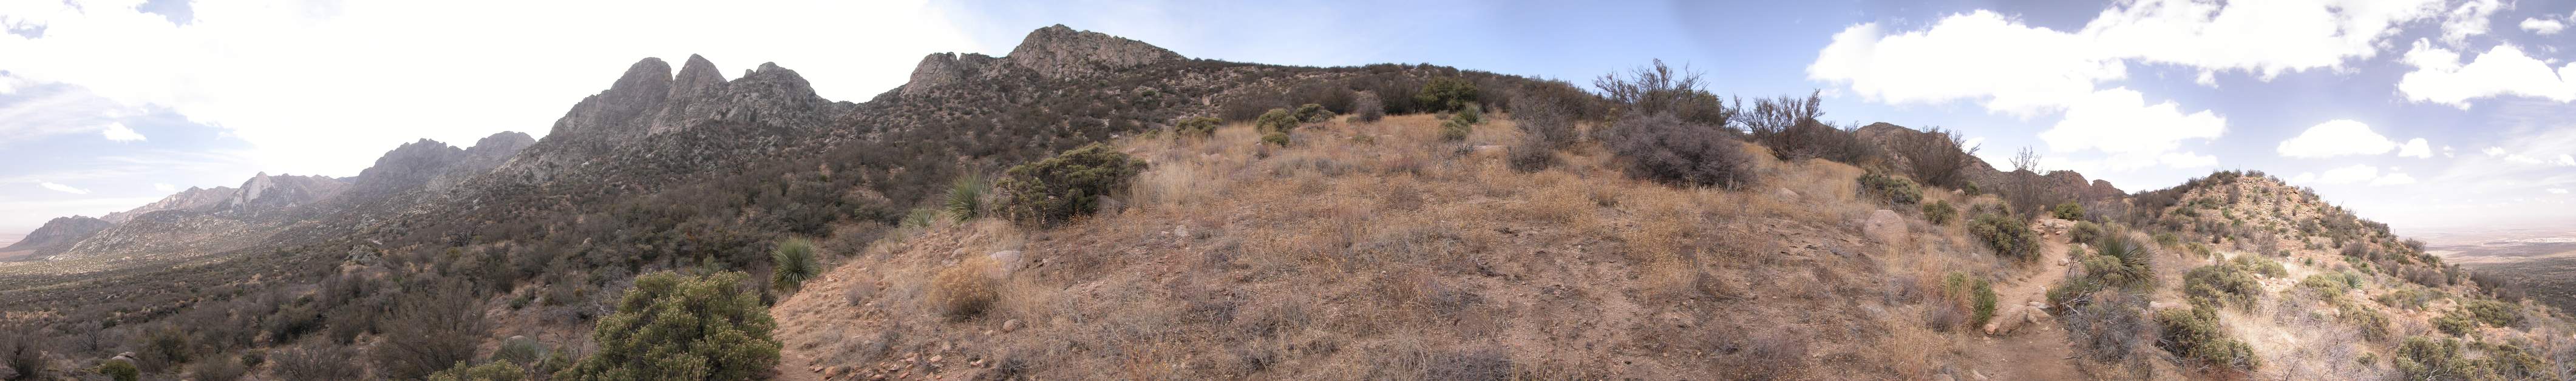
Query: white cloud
point(2439, 77)
point(2336, 138)
point(2566, 160)
point(2262, 37)
point(2023, 70)
point(2304, 177)
point(118, 132)
point(1981, 56)
point(2470, 19)
point(164, 188)
point(2417, 148)
point(2393, 179)
point(2543, 26)
point(61, 188)
point(2347, 175)
point(252, 68)
point(2120, 121)
point(2557, 190)
point(2187, 160)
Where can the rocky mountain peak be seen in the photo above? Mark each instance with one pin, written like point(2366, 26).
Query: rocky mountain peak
point(501, 144)
point(1062, 52)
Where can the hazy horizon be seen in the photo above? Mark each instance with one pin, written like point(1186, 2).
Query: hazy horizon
point(2427, 115)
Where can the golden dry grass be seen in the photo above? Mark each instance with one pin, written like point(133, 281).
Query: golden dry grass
point(1374, 251)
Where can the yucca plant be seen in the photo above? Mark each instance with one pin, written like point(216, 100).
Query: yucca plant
point(966, 197)
point(794, 263)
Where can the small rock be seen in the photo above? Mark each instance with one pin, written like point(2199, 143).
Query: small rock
point(1489, 150)
point(1786, 194)
point(2155, 305)
point(936, 358)
point(1012, 325)
point(1980, 376)
point(837, 372)
point(1884, 226)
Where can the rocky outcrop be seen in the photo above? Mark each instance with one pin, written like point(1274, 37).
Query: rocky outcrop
point(430, 164)
point(57, 234)
point(264, 193)
point(651, 118)
point(192, 199)
point(1061, 52)
point(1054, 52)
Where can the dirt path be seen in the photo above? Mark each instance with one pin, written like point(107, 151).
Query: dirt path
point(2036, 351)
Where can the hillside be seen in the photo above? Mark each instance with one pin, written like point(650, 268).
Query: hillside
point(1091, 206)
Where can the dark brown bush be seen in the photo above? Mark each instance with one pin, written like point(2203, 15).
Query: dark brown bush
point(1664, 148)
point(317, 362)
point(1366, 107)
point(429, 332)
point(1544, 122)
point(1936, 157)
point(1659, 89)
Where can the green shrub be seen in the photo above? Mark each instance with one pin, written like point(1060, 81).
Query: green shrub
point(965, 197)
point(1471, 114)
point(1197, 126)
point(1313, 113)
point(2260, 265)
point(119, 370)
point(1454, 131)
point(1446, 94)
point(2330, 285)
point(1073, 183)
point(1277, 138)
point(2068, 211)
point(2494, 313)
point(2120, 261)
point(1277, 119)
point(792, 263)
point(2372, 324)
point(1972, 293)
point(502, 370)
point(2007, 236)
point(429, 331)
point(2084, 231)
point(2456, 322)
point(1895, 190)
point(675, 327)
point(2422, 358)
point(1939, 212)
point(2221, 285)
point(2194, 333)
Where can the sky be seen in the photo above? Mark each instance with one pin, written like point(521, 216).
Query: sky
point(2425, 114)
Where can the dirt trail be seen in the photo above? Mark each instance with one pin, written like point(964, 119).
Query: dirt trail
point(2036, 351)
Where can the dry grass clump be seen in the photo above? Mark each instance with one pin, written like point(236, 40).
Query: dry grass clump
point(1381, 251)
point(966, 289)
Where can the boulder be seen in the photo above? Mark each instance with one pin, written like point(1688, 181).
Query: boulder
point(1006, 261)
point(1012, 325)
point(1884, 226)
point(1786, 194)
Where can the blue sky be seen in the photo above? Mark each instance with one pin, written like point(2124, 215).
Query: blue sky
point(108, 104)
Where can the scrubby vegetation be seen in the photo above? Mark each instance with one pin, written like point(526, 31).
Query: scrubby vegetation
point(1068, 185)
point(2007, 236)
point(681, 327)
point(1896, 190)
point(1939, 212)
point(2194, 333)
point(793, 263)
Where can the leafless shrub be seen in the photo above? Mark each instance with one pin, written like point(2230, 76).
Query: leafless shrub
point(1660, 89)
point(1365, 107)
point(2111, 327)
point(1936, 157)
point(316, 362)
point(1667, 149)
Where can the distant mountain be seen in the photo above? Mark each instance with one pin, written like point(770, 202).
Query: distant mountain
point(57, 234)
